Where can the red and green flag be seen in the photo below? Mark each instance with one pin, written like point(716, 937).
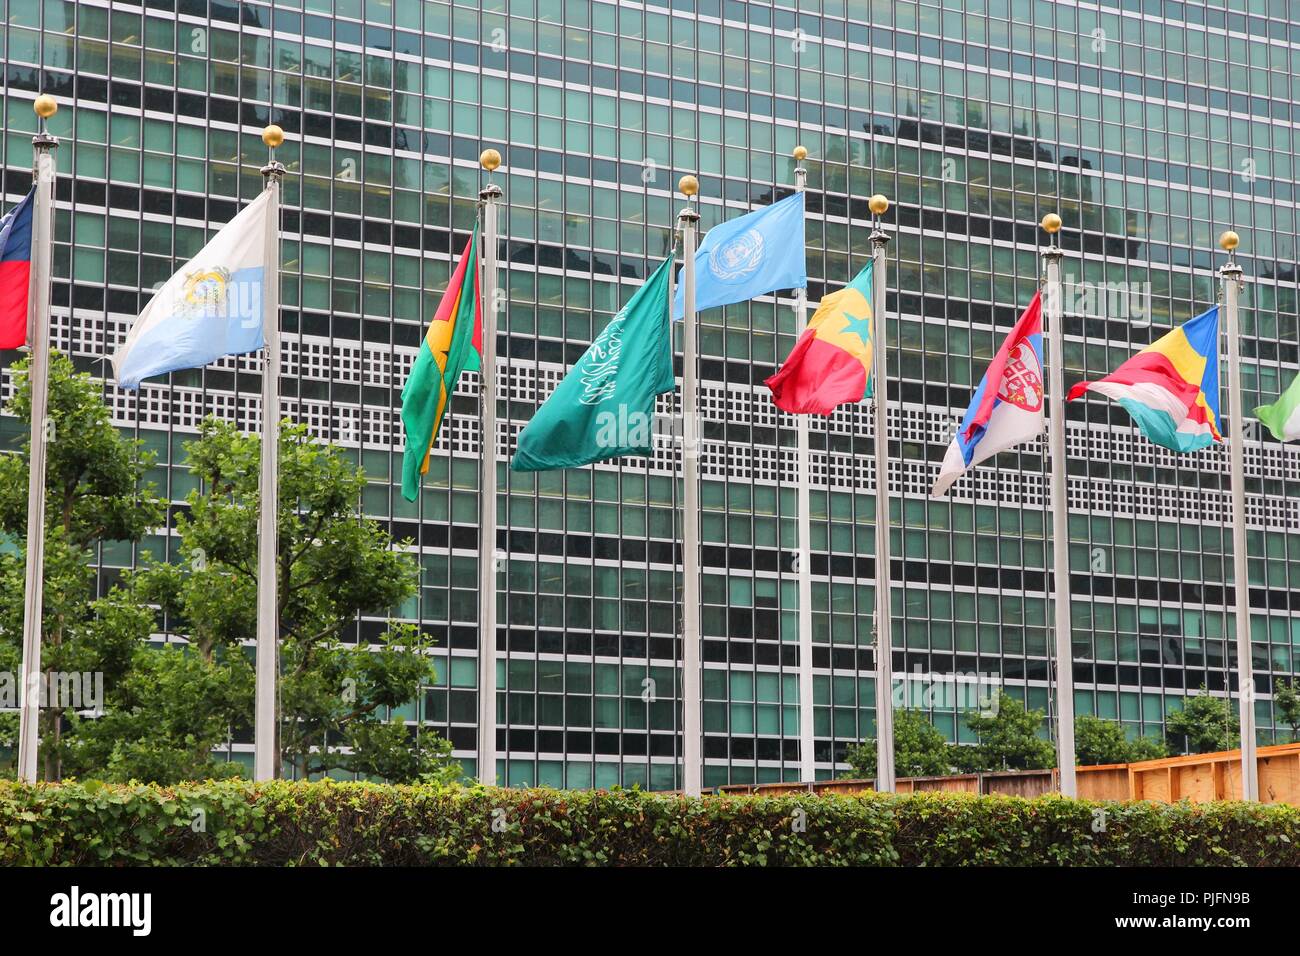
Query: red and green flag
point(453, 344)
point(831, 363)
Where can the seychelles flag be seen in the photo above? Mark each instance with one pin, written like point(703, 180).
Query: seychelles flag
point(1007, 408)
point(831, 362)
point(452, 344)
point(1171, 387)
point(15, 272)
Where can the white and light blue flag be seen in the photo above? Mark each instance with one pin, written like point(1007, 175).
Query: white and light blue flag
point(211, 307)
point(753, 255)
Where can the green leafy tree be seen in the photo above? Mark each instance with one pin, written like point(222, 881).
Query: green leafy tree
point(920, 749)
point(1205, 724)
point(1286, 705)
point(95, 493)
point(1099, 741)
point(1008, 739)
point(334, 565)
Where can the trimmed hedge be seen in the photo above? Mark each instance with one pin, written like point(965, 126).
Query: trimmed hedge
point(286, 824)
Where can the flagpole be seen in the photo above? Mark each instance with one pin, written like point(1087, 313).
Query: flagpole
point(38, 372)
point(807, 762)
point(1053, 316)
point(1231, 274)
point(266, 724)
point(692, 731)
point(882, 625)
point(489, 197)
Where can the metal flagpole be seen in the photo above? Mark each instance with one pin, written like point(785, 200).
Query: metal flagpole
point(1231, 275)
point(885, 777)
point(1053, 316)
point(807, 763)
point(266, 723)
point(692, 733)
point(38, 372)
point(489, 197)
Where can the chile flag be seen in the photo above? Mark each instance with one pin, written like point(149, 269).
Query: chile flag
point(15, 272)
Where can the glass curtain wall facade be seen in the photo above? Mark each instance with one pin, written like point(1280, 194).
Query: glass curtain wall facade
point(1149, 126)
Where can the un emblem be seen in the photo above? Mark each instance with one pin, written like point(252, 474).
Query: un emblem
point(737, 258)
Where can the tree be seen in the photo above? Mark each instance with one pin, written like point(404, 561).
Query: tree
point(333, 565)
point(1286, 705)
point(95, 494)
point(1008, 739)
point(1205, 723)
point(1100, 741)
point(920, 749)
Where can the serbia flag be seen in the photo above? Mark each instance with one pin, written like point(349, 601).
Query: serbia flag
point(1007, 408)
point(15, 272)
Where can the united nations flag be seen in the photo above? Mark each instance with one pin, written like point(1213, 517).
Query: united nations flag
point(753, 255)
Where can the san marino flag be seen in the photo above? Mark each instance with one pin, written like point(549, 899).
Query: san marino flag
point(605, 406)
point(755, 254)
point(211, 307)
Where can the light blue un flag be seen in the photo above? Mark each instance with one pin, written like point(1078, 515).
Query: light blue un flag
point(758, 253)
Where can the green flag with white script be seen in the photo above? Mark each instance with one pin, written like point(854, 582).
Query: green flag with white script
point(605, 406)
point(1283, 416)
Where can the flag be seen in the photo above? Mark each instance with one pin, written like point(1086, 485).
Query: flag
point(1007, 407)
point(211, 307)
point(757, 253)
point(605, 406)
point(831, 362)
point(453, 343)
point(15, 271)
point(1171, 387)
point(1283, 416)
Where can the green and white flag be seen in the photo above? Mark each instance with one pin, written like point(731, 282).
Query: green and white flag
point(605, 406)
point(1283, 416)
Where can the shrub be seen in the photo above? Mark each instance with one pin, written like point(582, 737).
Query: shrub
point(295, 824)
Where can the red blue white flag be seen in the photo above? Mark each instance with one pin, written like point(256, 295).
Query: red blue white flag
point(15, 272)
point(1007, 408)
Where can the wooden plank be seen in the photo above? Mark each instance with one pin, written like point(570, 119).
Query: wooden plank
point(844, 786)
point(1107, 782)
point(1017, 783)
point(1279, 778)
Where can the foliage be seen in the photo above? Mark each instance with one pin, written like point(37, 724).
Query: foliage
point(1008, 740)
point(279, 824)
point(95, 493)
point(1205, 723)
point(334, 565)
point(920, 749)
point(1286, 705)
point(1099, 741)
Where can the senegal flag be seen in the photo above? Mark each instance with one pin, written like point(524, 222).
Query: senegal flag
point(831, 362)
point(453, 344)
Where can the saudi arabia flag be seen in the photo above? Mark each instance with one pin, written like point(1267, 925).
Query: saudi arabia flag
point(452, 345)
point(605, 406)
point(1283, 416)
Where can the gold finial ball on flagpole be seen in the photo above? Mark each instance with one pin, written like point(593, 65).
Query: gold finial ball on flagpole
point(878, 204)
point(800, 153)
point(489, 159)
point(45, 106)
point(1229, 241)
point(688, 186)
point(1051, 223)
point(273, 136)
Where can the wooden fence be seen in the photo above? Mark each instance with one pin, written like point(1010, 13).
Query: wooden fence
point(1196, 777)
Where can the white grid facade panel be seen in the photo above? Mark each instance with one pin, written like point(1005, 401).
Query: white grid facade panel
point(183, 408)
